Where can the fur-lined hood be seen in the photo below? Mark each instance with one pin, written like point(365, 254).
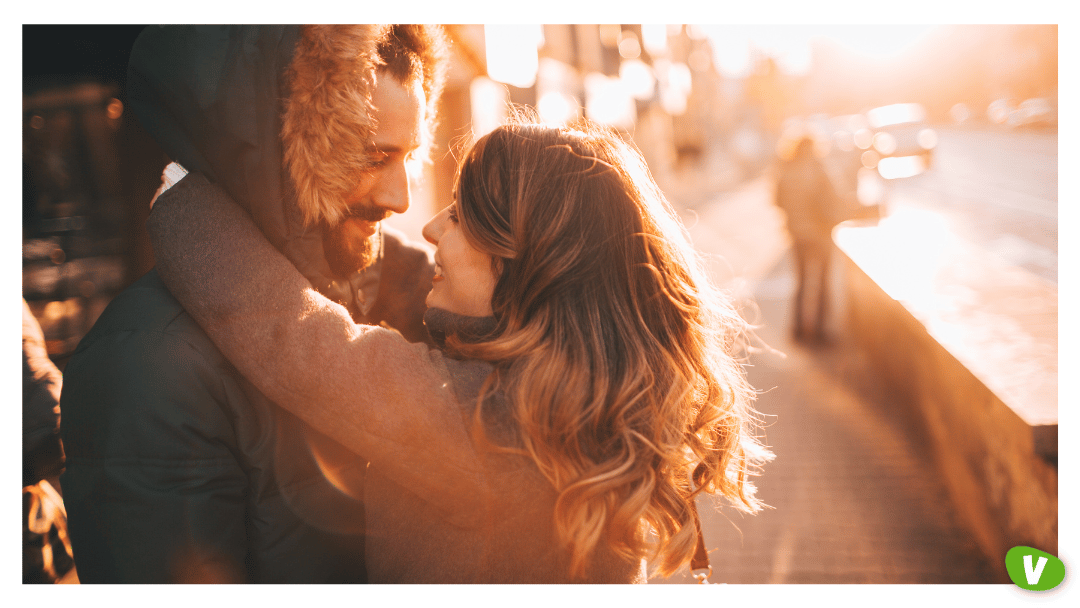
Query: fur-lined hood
point(279, 116)
point(328, 114)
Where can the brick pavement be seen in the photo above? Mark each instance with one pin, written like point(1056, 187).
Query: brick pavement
point(855, 496)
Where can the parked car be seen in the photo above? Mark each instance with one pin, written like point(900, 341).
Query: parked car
point(999, 110)
point(960, 113)
point(901, 138)
point(1034, 112)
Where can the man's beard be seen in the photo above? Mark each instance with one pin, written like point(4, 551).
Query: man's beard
point(347, 254)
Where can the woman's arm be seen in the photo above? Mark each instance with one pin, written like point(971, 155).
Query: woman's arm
point(382, 397)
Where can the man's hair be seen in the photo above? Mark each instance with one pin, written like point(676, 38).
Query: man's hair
point(417, 52)
point(617, 355)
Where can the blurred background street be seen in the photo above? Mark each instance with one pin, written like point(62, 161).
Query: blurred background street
point(998, 189)
point(852, 498)
point(900, 455)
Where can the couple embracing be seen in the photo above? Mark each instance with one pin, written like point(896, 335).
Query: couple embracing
point(299, 394)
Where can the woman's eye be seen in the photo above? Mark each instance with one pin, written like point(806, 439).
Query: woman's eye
point(453, 214)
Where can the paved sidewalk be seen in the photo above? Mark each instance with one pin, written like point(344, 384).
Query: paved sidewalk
point(855, 496)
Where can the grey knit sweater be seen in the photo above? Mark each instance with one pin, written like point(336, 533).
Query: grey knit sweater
point(440, 509)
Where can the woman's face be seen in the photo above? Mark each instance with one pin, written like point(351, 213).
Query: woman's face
point(464, 279)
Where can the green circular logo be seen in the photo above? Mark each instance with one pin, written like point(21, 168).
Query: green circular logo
point(1034, 570)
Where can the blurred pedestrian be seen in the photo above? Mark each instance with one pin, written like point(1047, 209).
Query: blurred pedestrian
point(809, 202)
point(46, 550)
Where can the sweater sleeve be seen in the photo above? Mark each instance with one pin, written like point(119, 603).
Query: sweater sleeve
point(391, 401)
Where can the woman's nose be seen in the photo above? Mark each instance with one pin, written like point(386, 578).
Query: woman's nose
point(433, 229)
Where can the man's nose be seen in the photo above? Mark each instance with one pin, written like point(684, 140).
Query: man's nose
point(392, 191)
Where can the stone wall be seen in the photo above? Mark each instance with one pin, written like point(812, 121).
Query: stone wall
point(943, 334)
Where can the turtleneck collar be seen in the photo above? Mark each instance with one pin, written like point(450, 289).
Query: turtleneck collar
point(441, 324)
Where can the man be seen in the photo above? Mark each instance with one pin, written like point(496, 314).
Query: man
point(806, 195)
point(178, 469)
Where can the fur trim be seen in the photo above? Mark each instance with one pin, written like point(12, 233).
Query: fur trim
point(328, 119)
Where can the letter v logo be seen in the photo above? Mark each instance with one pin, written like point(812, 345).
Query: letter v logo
point(1033, 575)
point(1034, 570)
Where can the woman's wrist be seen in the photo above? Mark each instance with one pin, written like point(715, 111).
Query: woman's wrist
point(173, 173)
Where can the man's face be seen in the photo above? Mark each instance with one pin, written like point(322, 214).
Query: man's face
point(383, 189)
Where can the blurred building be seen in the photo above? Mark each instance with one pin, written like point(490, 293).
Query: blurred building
point(657, 84)
point(88, 173)
point(73, 218)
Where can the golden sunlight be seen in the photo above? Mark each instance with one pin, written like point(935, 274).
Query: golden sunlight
point(904, 253)
point(511, 53)
point(735, 45)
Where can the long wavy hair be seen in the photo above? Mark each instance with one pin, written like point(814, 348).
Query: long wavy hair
point(616, 354)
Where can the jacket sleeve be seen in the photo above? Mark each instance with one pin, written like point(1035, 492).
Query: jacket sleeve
point(368, 388)
point(153, 490)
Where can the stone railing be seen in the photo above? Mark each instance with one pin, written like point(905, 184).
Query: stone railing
point(971, 343)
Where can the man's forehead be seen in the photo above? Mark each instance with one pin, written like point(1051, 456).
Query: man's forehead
point(399, 114)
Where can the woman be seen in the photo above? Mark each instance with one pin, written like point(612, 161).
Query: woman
point(584, 393)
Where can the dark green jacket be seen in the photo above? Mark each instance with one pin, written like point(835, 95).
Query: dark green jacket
point(179, 470)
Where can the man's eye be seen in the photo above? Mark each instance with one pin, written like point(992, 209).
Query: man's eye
point(378, 159)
